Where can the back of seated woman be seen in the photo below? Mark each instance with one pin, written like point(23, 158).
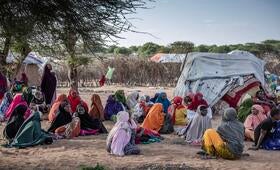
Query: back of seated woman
point(121, 139)
point(112, 108)
point(228, 141)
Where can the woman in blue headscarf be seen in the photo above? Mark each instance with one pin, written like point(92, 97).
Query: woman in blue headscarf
point(162, 98)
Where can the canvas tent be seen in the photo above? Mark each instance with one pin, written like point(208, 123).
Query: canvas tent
point(168, 58)
point(32, 65)
point(221, 76)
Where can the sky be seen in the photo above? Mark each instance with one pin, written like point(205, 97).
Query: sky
point(205, 22)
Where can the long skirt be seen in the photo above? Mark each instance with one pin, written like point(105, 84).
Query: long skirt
point(71, 129)
point(214, 145)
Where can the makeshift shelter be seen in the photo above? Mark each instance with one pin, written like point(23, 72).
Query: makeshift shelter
point(168, 58)
point(32, 65)
point(221, 77)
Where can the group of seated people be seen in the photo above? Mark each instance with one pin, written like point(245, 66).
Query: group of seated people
point(141, 119)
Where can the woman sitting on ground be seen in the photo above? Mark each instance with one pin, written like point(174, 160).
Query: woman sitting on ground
point(120, 97)
point(64, 125)
point(245, 109)
point(30, 133)
point(155, 118)
point(21, 99)
point(162, 98)
point(262, 99)
point(75, 100)
point(38, 102)
point(196, 101)
point(132, 100)
point(194, 131)
point(267, 133)
point(15, 121)
point(253, 120)
point(121, 139)
point(7, 100)
point(89, 126)
point(55, 107)
point(178, 111)
point(228, 141)
point(96, 109)
point(141, 109)
point(112, 108)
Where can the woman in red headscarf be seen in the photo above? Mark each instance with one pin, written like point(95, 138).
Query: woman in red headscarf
point(178, 111)
point(75, 100)
point(197, 101)
point(102, 81)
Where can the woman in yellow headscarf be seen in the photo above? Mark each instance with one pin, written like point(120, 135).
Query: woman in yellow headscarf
point(155, 118)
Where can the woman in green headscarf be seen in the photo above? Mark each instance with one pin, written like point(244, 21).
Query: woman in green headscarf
point(27, 95)
point(120, 97)
point(245, 109)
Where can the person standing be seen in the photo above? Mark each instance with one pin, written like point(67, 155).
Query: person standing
point(48, 84)
point(3, 85)
point(109, 75)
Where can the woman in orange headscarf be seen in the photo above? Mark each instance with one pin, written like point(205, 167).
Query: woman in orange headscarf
point(96, 110)
point(55, 106)
point(155, 118)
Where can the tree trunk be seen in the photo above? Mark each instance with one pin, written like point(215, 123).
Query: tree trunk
point(3, 56)
point(73, 76)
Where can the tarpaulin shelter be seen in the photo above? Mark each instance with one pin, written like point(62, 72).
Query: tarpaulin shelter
point(168, 58)
point(217, 76)
point(32, 65)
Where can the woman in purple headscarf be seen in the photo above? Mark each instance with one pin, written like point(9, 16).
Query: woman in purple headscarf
point(48, 84)
point(113, 107)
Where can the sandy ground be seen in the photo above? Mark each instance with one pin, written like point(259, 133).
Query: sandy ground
point(172, 153)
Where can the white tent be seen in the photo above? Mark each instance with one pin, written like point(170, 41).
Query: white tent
point(215, 75)
point(168, 58)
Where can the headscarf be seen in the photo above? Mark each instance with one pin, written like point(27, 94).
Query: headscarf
point(232, 132)
point(7, 100)
point(87, 122)
point(48, 84)
point(3, 85)
point(120, 97)
point(245, 109)
point(31, 134)
point(96, 110)
point(132, 99)
point(155, 118)
point(18, 100)
point(120, 134)
point(155, 98)
point(165, 102)
point(176, 104)
point(112, 107)
point(75, 101)
point(55, 107)
point(197, 102)
point(63, 117)
point(15, 122)
point(252, 121)
point(197, 126)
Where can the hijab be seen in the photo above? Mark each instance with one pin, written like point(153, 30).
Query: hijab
point(63, 117)
point(112, 107)
point(96, 110)
point(155, 98)
point(245, 109)
point(164, 101)
point(176, 104)
point(27, 95)
point(48, 84)
point(75, 100)
point(155, 118)
point(15, 122)
point(253, 120)
point(3, 85)
point(18, 100)
point(132, 99)
point(197, 101)
point(55, 107)
point(232, 132)
point(120, 97)
point(120, 134)
point(87, 122)
point(197, 126)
